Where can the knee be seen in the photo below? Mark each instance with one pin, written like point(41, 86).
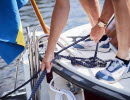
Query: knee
point(63, 4)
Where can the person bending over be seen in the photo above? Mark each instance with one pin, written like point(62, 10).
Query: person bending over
point(59, 19)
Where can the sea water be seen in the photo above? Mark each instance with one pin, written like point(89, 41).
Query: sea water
point(76, 17)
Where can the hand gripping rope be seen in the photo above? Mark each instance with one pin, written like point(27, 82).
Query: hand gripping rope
point(87, 62)
point(33, 77)
point(44, 72)
point(74, 60)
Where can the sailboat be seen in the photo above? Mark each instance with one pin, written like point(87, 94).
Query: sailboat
point(75, 78)
point(66, 76)
point(68, 80)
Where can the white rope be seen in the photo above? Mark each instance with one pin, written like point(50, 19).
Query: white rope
point(62, 92)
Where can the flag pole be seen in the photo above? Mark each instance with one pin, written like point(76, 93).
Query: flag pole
point(39, 16)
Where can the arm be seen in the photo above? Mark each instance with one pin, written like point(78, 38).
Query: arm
point(59, 19)
point(97, 32)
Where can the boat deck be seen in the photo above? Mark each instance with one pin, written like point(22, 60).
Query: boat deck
point(85, 77)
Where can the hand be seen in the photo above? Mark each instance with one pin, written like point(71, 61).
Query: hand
point(46, 62)
point(97, 32)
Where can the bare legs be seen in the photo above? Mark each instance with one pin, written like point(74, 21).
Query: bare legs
point(92, 9)
point(122, 15)
point(119, 67)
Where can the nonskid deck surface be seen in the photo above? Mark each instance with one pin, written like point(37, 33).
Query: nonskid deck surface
point(122, 86)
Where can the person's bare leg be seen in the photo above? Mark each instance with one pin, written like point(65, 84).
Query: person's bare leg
point(122, 15)
point(59, 19)
point(92, 9)
point(119, 67)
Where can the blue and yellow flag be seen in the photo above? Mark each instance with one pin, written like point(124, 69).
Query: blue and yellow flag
point(11, 34)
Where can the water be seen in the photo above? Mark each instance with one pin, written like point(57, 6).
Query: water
point(76, 17)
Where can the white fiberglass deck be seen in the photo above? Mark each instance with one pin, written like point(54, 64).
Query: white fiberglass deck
point(123, 86)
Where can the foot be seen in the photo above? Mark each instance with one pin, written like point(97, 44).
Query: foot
point(89, 45)
point(114, 72)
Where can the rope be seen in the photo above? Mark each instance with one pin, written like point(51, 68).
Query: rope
point(38, 84)
point(33, 77)
point(60, 94)
point(42, 75)
point(73, 44)
point(44, 72)
point(88, 62)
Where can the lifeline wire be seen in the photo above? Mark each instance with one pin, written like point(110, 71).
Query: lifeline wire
point(41, 77)
point(33, 77)
point(56, 57)
point(44, 72)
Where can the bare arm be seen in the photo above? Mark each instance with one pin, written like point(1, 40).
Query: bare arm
point(59, 19)
point(97, 32)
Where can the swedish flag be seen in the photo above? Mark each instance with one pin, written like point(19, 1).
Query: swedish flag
point(11, 34)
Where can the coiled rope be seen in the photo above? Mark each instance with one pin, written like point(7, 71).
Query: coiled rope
point(44, 72)
point(33, 77)
point(75, 60)
point(60, 94)
point(58, 56)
